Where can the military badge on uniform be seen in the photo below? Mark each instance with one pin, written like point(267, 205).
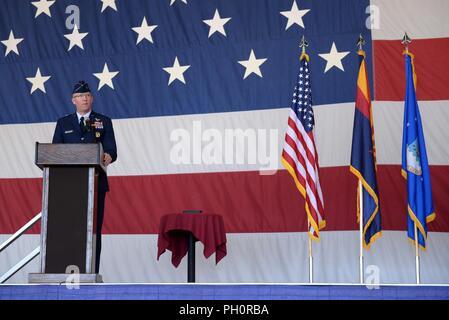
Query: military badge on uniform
point(98, 124)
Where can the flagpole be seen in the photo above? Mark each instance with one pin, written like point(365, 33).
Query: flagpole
point(406, 41)
point(417, 255)
point(360, 190)
point(360, 43)
point(303, 44)
point(310, 261)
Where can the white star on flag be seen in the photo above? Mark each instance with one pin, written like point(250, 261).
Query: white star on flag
point(216, 24)
point(38, 81)
point(333, 58)
point(11, 44)
point(252, 65)
point(173, 1)
point(144, 31)
point(76, 38)
point(294, 16)
point(105, 77)
point(43, 6)
point(108, 3)
point(176, 72)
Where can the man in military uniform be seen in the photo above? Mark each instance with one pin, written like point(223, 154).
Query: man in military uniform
point(87, 126)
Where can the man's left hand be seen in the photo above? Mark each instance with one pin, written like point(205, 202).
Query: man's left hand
point(107, 159)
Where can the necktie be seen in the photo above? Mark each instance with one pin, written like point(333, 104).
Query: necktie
point(82, 126)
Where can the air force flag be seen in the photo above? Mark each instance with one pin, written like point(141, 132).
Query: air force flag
point(415, 167)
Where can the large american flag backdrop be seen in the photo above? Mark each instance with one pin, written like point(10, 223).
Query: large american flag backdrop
point(165, 67)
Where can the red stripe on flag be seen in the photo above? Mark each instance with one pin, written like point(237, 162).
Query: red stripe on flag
point(362, 104)
point(431, 64)
point(292, 163)
point(310, 156)
point(248, 201)
point(289, 140)
point(311, 187)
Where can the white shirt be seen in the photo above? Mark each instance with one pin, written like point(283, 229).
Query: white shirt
point(86, 116)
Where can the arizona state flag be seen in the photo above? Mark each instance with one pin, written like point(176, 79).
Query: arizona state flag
point(363, 158)
point(415, 167)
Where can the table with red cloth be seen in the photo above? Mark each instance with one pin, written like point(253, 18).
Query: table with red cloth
point(174, 230)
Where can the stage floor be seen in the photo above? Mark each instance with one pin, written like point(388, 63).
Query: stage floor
point(222, 292)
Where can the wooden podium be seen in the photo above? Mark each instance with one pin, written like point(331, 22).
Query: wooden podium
point(68, 225)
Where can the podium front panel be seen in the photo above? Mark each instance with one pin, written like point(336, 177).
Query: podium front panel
point(69, 207)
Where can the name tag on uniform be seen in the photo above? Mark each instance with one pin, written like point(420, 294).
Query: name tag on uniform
point(68, 131)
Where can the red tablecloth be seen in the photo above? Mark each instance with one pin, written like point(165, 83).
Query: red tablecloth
point(174, 234)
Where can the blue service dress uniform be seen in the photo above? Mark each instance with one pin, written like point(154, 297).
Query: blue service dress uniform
point(68, 130)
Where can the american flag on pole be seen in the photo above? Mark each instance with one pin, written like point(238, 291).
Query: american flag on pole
point(299, 155)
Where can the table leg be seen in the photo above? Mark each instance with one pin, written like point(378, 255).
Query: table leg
point(191, 259)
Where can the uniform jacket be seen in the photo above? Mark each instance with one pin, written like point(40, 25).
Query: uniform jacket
point(68, 131)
